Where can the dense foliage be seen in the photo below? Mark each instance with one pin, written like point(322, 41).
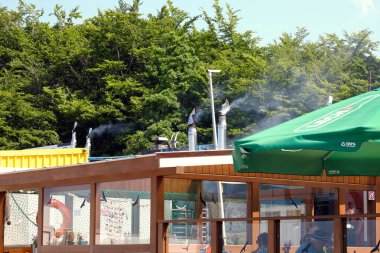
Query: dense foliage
point(133, 76)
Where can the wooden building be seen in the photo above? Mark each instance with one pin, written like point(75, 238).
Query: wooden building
point(191, 202)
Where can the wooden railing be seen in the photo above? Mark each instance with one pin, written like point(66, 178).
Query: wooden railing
point(339, 240)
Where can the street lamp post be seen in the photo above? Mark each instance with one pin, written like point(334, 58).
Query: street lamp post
point(210, 71)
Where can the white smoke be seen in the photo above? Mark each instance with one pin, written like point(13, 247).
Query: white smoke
point(365, 7)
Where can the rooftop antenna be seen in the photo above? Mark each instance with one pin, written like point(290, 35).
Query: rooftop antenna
point(74, 135)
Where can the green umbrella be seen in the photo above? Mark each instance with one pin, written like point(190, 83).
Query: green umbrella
point(343, 139)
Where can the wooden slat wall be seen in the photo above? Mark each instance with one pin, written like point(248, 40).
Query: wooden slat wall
point(228, 170)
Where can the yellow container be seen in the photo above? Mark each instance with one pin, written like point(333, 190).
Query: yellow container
point(42, 158)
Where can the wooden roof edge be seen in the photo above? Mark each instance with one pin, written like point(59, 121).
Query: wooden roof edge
point(144, 166)
point(194, 153)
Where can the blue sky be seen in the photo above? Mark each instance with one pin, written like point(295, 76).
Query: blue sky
point(267, 18)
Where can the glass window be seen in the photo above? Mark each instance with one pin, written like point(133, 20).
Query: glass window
point(304, 236)
point(66, 215)
point(212, 199)
point(190, 237)
point(361, 235)
point(124, 212)
point(287, 200)
point(184, 199)
point(359, 230)
point(181, 198)
point(20, 223)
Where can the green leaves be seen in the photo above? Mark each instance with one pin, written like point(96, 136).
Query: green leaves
point(145, 74)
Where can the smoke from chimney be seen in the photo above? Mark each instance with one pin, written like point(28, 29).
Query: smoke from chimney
point(74, 136)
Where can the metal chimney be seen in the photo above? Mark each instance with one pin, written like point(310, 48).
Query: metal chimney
point(329, 100)
point(192, 131)
point(222, 125)
point(74, 135)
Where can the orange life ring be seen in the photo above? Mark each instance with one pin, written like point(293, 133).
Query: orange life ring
point(66, 214)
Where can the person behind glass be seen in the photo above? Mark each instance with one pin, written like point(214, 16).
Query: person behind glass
point(318, 243)
point(354, 228)
point(262, 243)
point(310, 230)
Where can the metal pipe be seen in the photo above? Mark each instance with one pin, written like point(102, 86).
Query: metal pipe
point(329, 100)
point(192, 132)
point(192, 135)
point(222, 126)
point(210, 71)
point(222, 132)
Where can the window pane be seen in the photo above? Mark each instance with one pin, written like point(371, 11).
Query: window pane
point(286, 200)
point(359, 230)
point(213, 199)
point(67, 215)
point(181, 198)
point(306, 236)
point(21, 229)
point(361, 235)
point(124, 216)
point(189, 237)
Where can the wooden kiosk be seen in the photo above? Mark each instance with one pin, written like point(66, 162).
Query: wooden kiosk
point(190, 202)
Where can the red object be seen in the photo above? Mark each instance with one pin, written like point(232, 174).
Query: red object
point(65, 214)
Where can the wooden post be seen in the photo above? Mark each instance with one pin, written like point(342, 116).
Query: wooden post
point(340, 224)
point(40, 217)
point(254, 212)
point(163, 238)
point(156, 210)
point(199, 213)
point(273, 235)
point(2, 206)
point(93, 202)
point(341, 201)
point(309, 202)
point(216, 236)
point(377, 205)
point(340, 235)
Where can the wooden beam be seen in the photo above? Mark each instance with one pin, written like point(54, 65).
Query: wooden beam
point(2, 209)
point(40, 217)
point(194, 153)
point(163, 238)
point(121, 248)
point(93, 214)
point(254, 198)
point(377, 206)
point(216, 237)
point(51, 178)
point(280, 181)
point(273, 235)
point(342, 201)
point(141, 167)
point(339, 235)
point(156, 210)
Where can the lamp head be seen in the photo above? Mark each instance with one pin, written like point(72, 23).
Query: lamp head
point(213, 71)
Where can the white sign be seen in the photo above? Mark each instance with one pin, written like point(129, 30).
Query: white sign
point(371, 195)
